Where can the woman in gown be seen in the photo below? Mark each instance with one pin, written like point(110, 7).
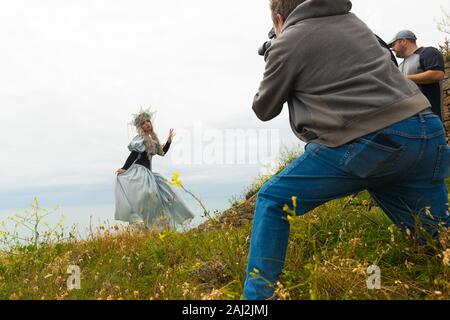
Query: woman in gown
point(143, 197)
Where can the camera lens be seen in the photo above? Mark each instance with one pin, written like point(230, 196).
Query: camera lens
point(262, 50)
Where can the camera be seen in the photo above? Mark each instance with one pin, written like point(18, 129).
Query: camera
point(266, 45)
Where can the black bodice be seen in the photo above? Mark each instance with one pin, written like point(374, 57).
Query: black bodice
point(141, 158)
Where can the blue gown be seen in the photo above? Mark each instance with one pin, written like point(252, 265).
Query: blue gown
point(143, 196)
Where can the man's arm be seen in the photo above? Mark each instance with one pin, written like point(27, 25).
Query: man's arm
point(432, 62)
point(278, 81)
point(427, 77)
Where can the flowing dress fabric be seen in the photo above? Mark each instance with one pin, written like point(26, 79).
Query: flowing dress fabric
point(144, 196)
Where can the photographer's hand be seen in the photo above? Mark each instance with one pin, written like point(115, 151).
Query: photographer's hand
point(279, 78)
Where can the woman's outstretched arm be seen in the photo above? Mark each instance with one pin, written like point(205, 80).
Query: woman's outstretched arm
point(169, 141)
point(166, 147)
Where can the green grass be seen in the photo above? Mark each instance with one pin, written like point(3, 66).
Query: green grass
point(329, 252)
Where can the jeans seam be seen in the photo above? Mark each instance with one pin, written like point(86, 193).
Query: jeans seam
point(346, 155)
point(424, 141)
point(397, 159)
point(382, 205)
point(438, 163)
point(380, 146)
point(406, 135)
point(414, 165)
point(284, 173)
point(316, 151)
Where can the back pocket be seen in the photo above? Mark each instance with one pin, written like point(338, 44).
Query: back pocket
point(368, 157)
point(442, 167)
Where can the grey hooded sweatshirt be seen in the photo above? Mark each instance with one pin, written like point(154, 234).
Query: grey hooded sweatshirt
point(340, 84)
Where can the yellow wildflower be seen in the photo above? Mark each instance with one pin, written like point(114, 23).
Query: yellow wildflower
point(292, 214)
point(162, 236)
point(175, 181)
point(294, 202)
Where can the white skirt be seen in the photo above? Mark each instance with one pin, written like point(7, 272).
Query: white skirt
point(145, 196)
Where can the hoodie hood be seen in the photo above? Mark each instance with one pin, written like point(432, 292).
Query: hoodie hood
point(317, 9)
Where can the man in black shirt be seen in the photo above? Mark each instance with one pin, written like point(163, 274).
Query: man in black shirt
point(424, 66)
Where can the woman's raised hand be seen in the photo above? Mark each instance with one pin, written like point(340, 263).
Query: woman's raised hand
point(172, 134)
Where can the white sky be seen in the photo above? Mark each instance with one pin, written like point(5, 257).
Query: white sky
point(72, 72)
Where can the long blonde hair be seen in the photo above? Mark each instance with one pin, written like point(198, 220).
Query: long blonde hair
point(151, 142)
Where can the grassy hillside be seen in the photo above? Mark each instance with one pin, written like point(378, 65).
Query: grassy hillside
point(329, 252)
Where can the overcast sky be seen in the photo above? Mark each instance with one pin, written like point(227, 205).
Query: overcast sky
point(73, 71)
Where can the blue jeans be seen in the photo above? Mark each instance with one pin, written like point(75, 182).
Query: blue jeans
point(403, 167)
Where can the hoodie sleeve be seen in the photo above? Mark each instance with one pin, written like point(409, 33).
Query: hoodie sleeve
point(278, 82)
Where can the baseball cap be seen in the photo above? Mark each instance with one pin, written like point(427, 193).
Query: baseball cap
point(404, 34)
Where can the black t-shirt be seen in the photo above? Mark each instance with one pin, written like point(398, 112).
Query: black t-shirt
point(425, 59)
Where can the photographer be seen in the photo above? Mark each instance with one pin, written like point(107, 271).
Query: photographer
point(366, 128)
